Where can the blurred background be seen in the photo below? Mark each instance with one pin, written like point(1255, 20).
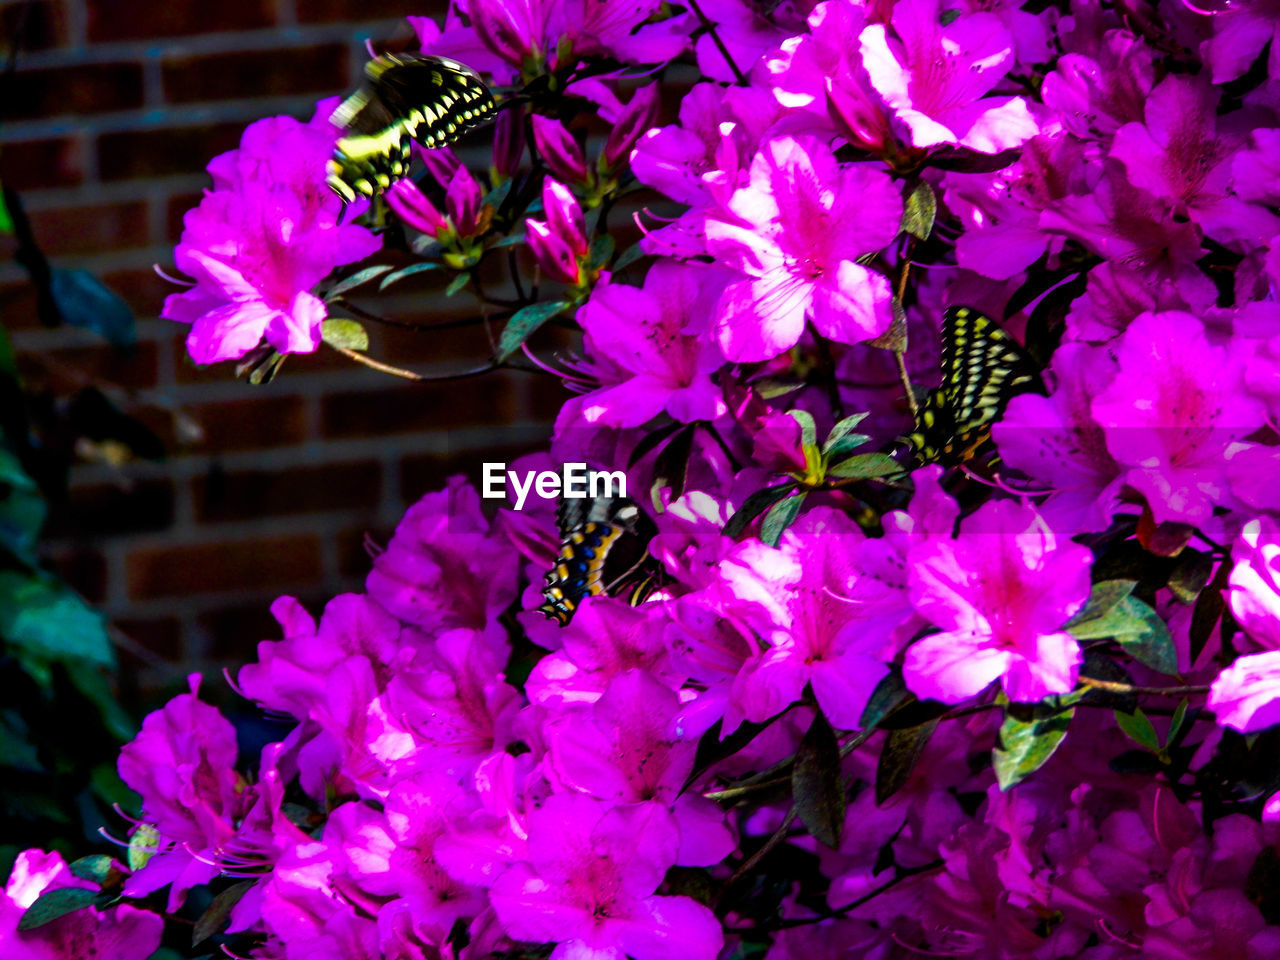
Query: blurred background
point(182, 500)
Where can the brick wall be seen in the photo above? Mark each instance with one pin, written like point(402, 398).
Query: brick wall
point(266, 490)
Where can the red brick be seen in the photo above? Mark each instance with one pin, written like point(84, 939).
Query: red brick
point(479, 401)
point(18, 306)
point(161, 636)
point(46, 24)
point(424, 473)
point(80, 89)
point(157, 153)
point(29, 164)
point(237, 629)
point(65, 370)
point(84, 569)
point(251, 565)
point(141, 19)
point(256, 73)
point(251, 424)
point(328, 11)
point(144, 290)
point(249, 494)
point(98, 229)
point(354, 561)
point(176, 208)
point(106, 509)
point(549, 395)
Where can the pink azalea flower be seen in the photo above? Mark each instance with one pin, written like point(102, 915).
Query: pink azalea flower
point(560, 151)
point(588, 886)
point(1246, 695)
point(935, 78)
point(558, 243)
point(462, 203)
point(1255, 582)
point(623, 748)
point(641, 334)
point(803, 598)
point(1180, 155)
point(121, 932)
point(796, 233)
point(1056, 441)
point(1097, 90)
point(1001, 592)
point(1171, 412)
point(261, 240)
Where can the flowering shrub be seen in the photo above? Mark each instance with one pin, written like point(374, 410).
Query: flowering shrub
point(1022, 708)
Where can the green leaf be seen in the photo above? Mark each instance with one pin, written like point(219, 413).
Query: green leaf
point(6, 221)
point(816, 783)
point(214, 918)
point(84, 301)
point(16, 751)
point(509, 241)
point(22, 510)
point(92, 681)
point(96, 868)
point(770, 388)
point(600, 252)
point(143, 844)
point(864, 466)
point(628, 257)
point(43, 619)
point(1139, 631)
point(842, 439)
point(409, 271)
point(895, 338)
point(54, 904)
point(456, 284)
point(1138, 728)
point(357, 279)
point(890, 694)
point(341, 332)
point(919, 212)
point(1208, 610)
point(780, 516)
point(1102, 597)
point(524, 322)
point(755, 505)
point(1175, 725)
point(8, 366)
point(808, 429)
point(1191, 575)
point(1028, 738)
point(898, 756)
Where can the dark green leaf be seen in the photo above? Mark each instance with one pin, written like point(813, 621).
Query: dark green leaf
point(808, 429)
point(817, 785)
point(97, 868)
point(6, 221)
point(22, 510)
point(1028, 738)
point(348, 334)
point(1102, 598)
point(8, 366)
point(628, 257)
point(898, 756)
point(1209, 608)
point(92, 681)
point(711, 749)
point(457, 283)
point(890, 693)
point(1190, 575)
point(864, 466)
point(524, 322)
point(16, 751)
point(1138, 629)
point(215, 918)
point(842, 437)
point(780, 516)
point(54, 904)
point(755, 505)
point(83, 301)
point(1175, 724)
point(45, 620)
point(1138, 728)
point(770, 388)
point(357, 279)
point(600, 252)
point(919, 212)
point(510, 241)
point(412, 270)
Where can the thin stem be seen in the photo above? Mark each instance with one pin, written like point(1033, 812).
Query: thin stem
point(1112, 687)
point(378, 365)
point(752, 861)
point(364, 314)
point(715, 38)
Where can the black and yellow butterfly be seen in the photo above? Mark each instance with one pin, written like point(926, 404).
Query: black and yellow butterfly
point(405, 97)
point(983, 368)
point(604, 549)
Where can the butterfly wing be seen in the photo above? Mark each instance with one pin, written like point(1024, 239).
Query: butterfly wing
point(983, 368)
point(405, 97)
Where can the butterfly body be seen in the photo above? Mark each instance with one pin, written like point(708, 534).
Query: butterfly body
point(405, 97)
point(603, 549)
point(983, 368)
